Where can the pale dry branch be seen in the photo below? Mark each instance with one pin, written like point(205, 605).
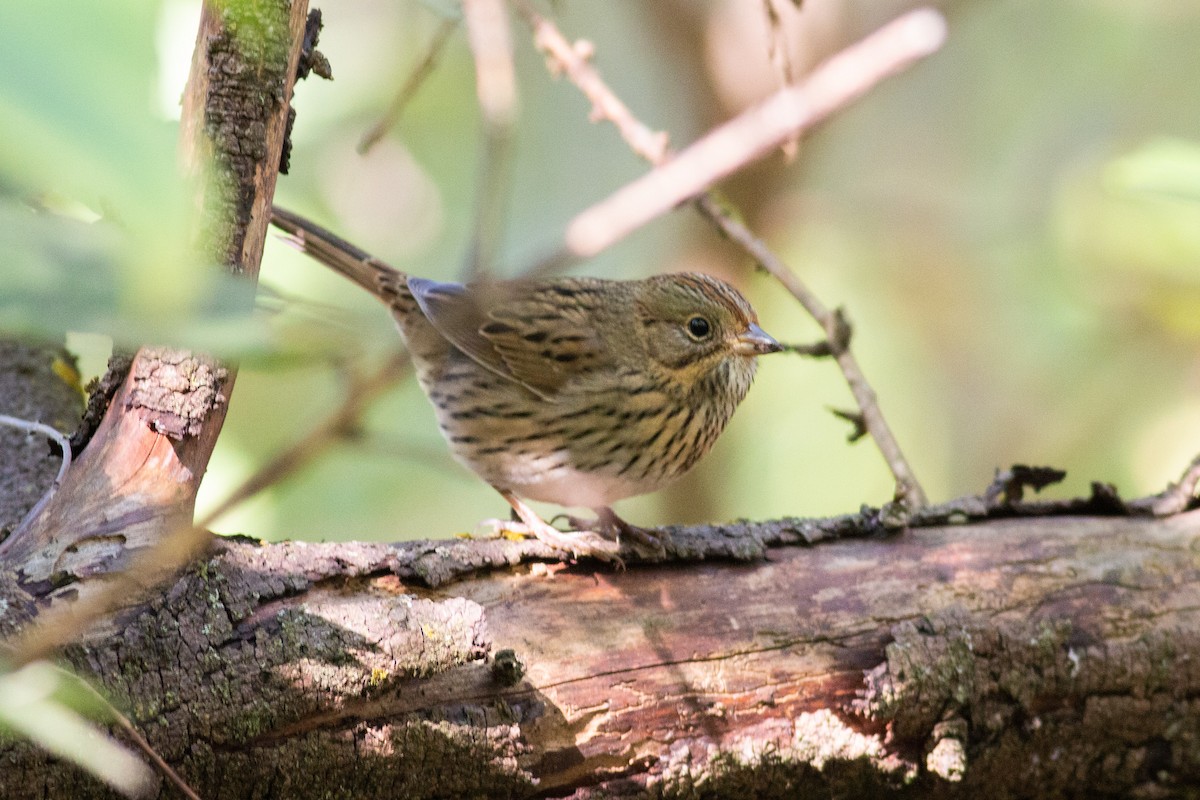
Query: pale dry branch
point(574, 61)
point(688, 175)
point(1176, 498)
point(495, 78)
point(754, 133)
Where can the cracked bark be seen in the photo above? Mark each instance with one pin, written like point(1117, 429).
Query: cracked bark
point(1029, 657)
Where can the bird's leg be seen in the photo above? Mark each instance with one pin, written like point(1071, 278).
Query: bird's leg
point(513, 524)
point(608, 523)
point(581, 543)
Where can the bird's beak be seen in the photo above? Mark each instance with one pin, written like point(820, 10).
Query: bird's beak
point(754, 341)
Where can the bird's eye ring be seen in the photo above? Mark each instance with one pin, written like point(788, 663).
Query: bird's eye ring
point(698, 328)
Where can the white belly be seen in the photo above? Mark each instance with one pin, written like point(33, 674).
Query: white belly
point(549, 479)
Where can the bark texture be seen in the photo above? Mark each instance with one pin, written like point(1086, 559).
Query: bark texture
point(1043, 657)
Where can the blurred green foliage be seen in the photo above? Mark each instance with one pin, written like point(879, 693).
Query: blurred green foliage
point(96, 222)
point(1011, 225)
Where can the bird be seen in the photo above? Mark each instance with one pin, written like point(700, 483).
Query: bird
point(569, 390)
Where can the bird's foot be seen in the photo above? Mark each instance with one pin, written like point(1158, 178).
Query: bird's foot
point(580, 543)
point(645, 542)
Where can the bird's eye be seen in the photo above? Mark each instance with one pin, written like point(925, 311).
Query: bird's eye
point(698, 328)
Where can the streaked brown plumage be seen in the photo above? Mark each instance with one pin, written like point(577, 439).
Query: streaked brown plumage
point(574, 391)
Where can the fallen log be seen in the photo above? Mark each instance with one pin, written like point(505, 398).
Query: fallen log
point(1026, 657)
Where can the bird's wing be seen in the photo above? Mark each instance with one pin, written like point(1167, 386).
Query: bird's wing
point(537, 334)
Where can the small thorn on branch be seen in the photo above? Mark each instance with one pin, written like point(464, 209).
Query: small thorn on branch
point(839, 330)
point(856, 419)
point(1105, 499)
point(584, 49)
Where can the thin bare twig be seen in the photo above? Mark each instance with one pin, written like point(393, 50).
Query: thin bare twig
point(330, 431)
point(781, 58)
point(1176, 498)
point(64, 444)
point(834, 324)
point(408, 91)
point(688, 175)
point(777, 44)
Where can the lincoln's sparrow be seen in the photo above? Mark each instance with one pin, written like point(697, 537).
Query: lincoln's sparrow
point(575, 391)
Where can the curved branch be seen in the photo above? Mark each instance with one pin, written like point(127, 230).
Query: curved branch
point(64, 445)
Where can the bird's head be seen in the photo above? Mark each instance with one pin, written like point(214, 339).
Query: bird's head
point(702, 333)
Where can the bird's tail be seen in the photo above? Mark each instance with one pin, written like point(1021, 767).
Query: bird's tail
point(377, 277)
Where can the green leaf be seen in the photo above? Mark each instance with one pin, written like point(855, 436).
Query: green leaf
point(76, 107)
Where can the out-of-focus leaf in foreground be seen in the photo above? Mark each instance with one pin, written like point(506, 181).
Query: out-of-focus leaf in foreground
point(44, 703)
point(79, 126)
point(63, 274)
point(1167, 168)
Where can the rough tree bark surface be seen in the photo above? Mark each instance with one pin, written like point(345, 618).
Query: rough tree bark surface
point(1044, 657)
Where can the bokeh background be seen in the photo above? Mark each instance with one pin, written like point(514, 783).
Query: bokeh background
point(1012, 225)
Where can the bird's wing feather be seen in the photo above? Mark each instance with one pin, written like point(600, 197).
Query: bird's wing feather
point(539, 335)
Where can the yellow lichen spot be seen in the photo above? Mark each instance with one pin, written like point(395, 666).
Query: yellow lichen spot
point(66, 371)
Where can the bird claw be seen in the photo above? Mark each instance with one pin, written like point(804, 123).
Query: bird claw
point(582, 543)
point(645, 542)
